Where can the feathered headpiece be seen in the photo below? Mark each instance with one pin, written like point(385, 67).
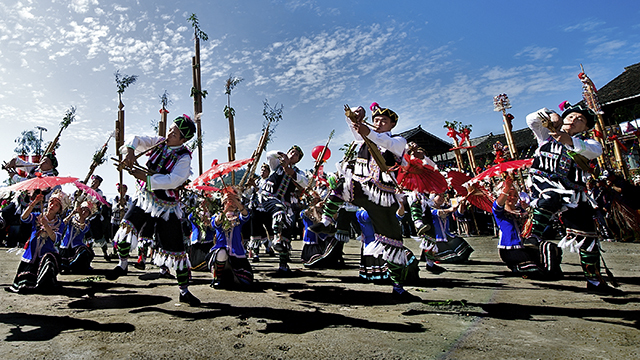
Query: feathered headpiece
point(377, 110)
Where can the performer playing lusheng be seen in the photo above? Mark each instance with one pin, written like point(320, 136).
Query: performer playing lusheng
point(274, 199)
point(365, 185)
point(557, 184)
point(157, 202)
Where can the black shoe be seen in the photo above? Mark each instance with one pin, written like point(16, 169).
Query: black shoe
point(190, 299)
point(107, 257)
point(283, 271)
point(255, 259)
point(115, 273)
point(405, 297)
point(435, 269)
point(12, 289)
point(216, 284)
point(321, 228)
point(166, 275)
point(603, 289)
point(140, 265)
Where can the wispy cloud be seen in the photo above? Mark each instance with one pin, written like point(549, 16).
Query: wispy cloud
point(536, 53)
point(586, 25)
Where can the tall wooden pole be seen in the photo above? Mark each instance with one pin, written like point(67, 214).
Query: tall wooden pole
point(119, 143)
point(162, 125)
point(197, 101)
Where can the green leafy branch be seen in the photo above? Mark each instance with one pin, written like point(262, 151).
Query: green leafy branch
point(196, 28)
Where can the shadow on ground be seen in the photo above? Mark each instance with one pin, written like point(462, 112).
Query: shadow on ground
point(48, 327)
point(287, 321)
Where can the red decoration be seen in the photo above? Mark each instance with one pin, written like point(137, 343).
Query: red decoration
point(480, 197)
point(615, 138)
point(496, 170)
point(456, 179)
point(164, 111)
point(91, 192)
point(318, 150)
point(40, 183)
point(219, 170)
point(421, 178)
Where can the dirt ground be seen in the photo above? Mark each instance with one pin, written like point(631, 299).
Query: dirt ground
point(473, 311)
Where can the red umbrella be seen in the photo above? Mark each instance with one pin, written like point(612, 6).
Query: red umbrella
point(203, 188)
point(90, 191)
point(421, 178)
point(39, 183)
point(498, 169)
point(456, 179)
point(219, 170)
point(480, 197)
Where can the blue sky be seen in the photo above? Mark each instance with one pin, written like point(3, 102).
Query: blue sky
point(430, 61)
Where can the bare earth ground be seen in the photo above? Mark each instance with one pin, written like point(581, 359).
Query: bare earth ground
point(473, 311)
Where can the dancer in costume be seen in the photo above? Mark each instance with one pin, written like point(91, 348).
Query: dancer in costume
point(423, 220)
point(557, 184)
point(75, 255)
point(274, 199)
point(227, 259)
point(365, 185)
point(39, 265)
point(449, 247)
point(117, 212)
point(157, 202)
point(260, 223)
point(202, 234)
point(541, 262)
point(372, 265)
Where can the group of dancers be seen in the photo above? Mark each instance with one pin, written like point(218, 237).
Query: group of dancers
point(228, 226)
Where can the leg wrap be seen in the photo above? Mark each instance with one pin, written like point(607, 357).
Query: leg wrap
point(541, 219)
point(416, 211)
point(182, 275)
point(331, 206)
point(590, 261)
point(218, 268)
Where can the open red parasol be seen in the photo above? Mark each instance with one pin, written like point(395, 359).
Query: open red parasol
point(422, 178)
point(40, 183)
point(217, 170)
point(456, 179)
point(480, 197)
point(206, 188)
point(498, 169)
point(90, 191)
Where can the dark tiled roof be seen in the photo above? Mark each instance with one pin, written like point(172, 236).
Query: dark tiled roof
point(524, 139)
point(432, 144)
point(624, 86)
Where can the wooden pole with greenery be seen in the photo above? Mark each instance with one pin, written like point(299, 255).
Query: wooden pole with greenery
point(122, 82)
point(272, 115)
point(196, 91)
point(69, 117)
point(230, 113)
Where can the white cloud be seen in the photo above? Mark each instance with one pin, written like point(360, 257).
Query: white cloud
point(25, 13)
point(536, 53)
point(587, 25)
